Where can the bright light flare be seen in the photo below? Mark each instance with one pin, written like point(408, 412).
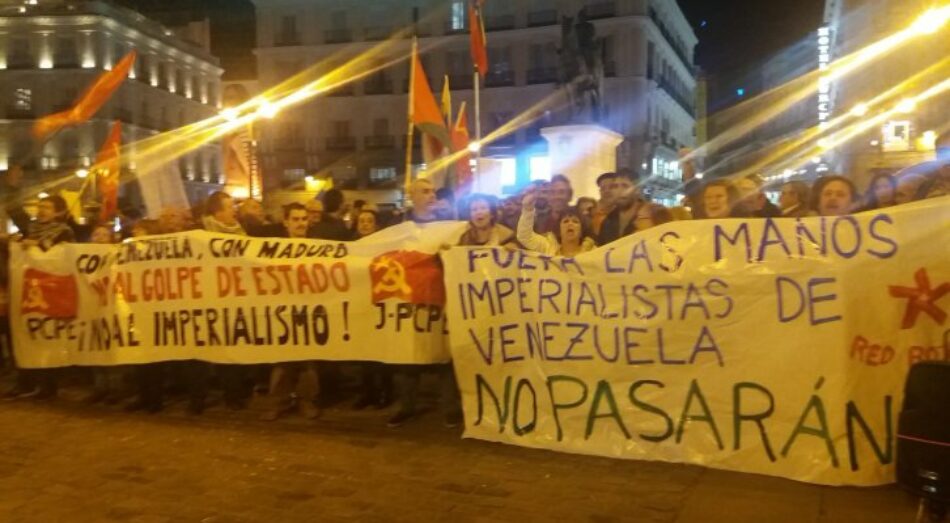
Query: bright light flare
point(267, 110)
point(907, 105)
point(230, 114)
point(474, 147)
point(82, 173)
point(859, 110)
point(931, 21)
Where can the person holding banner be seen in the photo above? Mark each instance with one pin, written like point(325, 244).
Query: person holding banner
point(48, 229)
point(296, 376)
point(794, 198)
point(221, 217)
point(376, 379)
point(880, 193)
point(568, 239)
point(408, 377)
point(835, 195)
point(107, 380)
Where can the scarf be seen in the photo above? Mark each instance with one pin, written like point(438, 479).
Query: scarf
point(210, 224)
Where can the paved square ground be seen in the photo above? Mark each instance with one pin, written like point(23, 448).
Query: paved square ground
point(64, 461)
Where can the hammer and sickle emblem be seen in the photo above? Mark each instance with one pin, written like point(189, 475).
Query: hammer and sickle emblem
point(394, 277)
point(34, 297)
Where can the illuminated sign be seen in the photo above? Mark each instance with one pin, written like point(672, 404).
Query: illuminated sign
point(824, 83)
point(896, 136)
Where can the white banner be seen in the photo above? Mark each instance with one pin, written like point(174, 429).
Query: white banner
point(777, 347)
point(232, 299)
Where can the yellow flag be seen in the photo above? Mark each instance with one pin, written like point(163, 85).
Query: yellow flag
point(446, 101)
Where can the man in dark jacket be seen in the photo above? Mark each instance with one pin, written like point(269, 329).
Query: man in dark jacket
point(626, 198)
point(331, 225)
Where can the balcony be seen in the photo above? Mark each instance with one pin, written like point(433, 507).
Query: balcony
point(66, 62)
point(378, 85)
point(680, 53)
point(15, 113)
point(20, 61)
point(542, 75)
point(499, 22)
point(286, 40)
point(379, 142)
point(340, 143)
point(458, 81)
point(676, 96)
point(337, 36)
point(544, 17)
point(500, 79)
point(601, 10)
point(377, 33)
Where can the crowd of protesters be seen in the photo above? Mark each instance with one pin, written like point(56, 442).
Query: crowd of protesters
point(539, 218)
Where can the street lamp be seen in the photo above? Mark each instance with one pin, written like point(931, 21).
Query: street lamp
point(82, 173)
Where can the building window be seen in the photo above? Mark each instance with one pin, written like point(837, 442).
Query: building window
point(65, 52)
point(457, 21)
point(382, 174)
point(48, 163)
point(651, 52)
point(287, 34)
point(20, 53)
point(23, 99)
point(509, 172)
point(341, 128)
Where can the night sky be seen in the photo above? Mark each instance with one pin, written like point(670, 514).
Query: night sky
point(741, 32)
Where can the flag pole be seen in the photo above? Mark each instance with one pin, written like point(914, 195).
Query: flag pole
point(478, 130)
point(409, 129)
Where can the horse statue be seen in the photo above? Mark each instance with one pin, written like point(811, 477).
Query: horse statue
point(581, 69)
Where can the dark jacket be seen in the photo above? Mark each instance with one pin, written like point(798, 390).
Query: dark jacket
point(610, 229)
point(329, 228)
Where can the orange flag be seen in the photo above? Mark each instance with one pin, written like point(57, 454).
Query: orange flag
point(107, 171)
point(95, 96)
point(476, 30)
point(424, 112)
point(463, 169)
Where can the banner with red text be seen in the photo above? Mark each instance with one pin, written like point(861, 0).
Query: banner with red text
point(774, 346)
point(232, 299)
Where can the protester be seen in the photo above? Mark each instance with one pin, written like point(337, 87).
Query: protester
point(605, 205)
point(570, 238)
point(936, 180)
point(585, 207)
point(881, 192)
point(834, 195)
point(625, 200)
point(149, 377)
point(543, 214)
point(444, 204)
point(376, 379)
point(314, 212)
point(251, 216)
point(408, 377)
point(794, 199)
point(296, 376)
point(909, 182)
point(510, 211)
point(650, 215)
point(753, 200)
point(107, 381)
point(482, 229)
point(221, 217)
point(719, 200)
point(47, 230)
point(331, 225)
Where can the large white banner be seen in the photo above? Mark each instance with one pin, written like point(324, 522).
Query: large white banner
point(770, 346)
point(231, 299)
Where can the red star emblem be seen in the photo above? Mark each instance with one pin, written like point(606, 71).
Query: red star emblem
point(921, 299)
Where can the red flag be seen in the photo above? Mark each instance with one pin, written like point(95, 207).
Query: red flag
point(423, 110)
point(476, 30)
point(411, 276)
point(107, 169)
point(94, 97)
point(52, 295)
point(463, 167)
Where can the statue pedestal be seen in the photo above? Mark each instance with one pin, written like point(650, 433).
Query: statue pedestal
point(582, 153)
